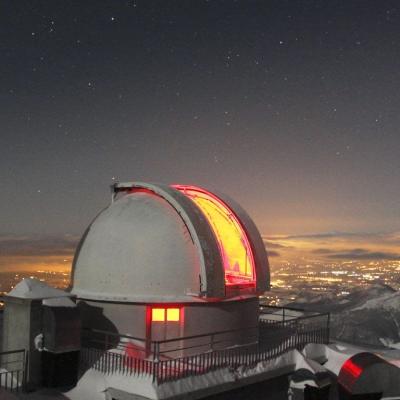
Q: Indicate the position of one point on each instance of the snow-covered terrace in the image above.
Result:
(174, 359)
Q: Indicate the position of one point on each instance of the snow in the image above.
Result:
(93, 384)
(303, 363)
(387, 342)
(315, 351)
(336, 358)
(336, 355)
(365, 315)
(30, 288)
(59, 302)
(8, 380)
(38, 342)
(385, 301)
(308, 364)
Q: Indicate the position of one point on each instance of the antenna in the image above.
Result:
(120, 187)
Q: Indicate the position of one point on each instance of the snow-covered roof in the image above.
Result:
(59, 302)
(154, 243)
(31, 288)
(366, 372)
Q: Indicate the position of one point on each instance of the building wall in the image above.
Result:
(240, 317)
(125, 319)
(22, 323)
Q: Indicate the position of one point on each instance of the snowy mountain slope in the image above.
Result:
(368, 315)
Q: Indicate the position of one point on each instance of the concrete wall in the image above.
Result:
(22, 323)
(125, 319)
(196, 319)
(220, 316)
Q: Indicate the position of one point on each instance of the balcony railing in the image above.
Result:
(168, 360)
(13, 370)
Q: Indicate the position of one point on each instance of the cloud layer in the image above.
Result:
(338, 246)
(26, 252)
(37, 245)
(30, 252)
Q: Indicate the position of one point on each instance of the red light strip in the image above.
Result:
(349, 373)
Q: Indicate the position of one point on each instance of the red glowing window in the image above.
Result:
(232, 240)
(158, 314)
(173, 314)
(165, 314)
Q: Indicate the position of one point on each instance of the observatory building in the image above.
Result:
(164, 302)
(162, 262)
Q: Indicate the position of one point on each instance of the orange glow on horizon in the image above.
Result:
(59, 263)
(232, 240)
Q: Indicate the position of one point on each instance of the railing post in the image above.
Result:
(328, 328)
(155, 370)
(156, 351)
(25, 370)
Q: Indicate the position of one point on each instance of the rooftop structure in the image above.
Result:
(158, 242)
(164, 301)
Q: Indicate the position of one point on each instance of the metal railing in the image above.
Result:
(285, 313)
(112, 353)
(169, 348)
(13, 370)
(298, 319)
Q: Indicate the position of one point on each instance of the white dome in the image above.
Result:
(151, 244)
(139, 240)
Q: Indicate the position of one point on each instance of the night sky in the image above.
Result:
(290, 107)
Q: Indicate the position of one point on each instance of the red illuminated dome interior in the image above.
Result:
(232, 240)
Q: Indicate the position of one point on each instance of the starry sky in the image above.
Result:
(290, 107)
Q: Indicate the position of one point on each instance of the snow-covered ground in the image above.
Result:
(94, 384)
(368, 315)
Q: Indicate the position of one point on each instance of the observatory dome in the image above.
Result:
(169, 243)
